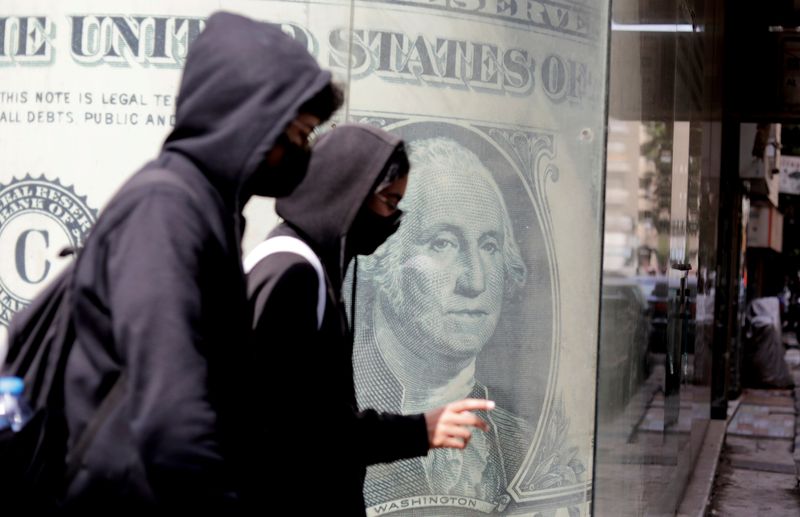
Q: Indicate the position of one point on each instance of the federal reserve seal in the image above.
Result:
(38, 219)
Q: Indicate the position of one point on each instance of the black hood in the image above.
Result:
(346, 165)
(242, 84)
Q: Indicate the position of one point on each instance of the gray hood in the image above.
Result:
(346, 165)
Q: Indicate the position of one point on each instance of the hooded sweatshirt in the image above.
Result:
(328, 440)
(160, 293)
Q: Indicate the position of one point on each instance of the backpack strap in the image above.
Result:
(288, 244)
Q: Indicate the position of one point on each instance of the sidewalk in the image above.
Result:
(759, 466)
(745, 466)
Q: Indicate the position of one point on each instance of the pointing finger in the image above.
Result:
(472, 405)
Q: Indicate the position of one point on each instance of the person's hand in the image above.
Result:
(448, 426)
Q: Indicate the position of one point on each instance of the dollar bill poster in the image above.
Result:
(491, 286)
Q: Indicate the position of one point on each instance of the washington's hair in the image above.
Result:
(442, 156)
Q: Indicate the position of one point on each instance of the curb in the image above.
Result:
(697, 496)
(796, 450)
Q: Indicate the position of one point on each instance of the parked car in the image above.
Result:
(623, 344)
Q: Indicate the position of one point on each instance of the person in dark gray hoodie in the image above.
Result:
(346, 206)
(161, 312)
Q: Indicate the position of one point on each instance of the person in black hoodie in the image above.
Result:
(160, 296)
(346, 206)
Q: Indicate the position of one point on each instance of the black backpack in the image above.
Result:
(33, 462)
(40, 339)
(35, 465)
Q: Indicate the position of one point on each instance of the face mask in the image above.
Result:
(282, 179)
(370, 230)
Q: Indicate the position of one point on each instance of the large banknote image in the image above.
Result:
(491, 286)
(459, 304)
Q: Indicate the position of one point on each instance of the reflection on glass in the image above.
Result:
(657, 300)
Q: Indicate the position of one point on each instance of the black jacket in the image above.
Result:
(160, 292)
(325, 442)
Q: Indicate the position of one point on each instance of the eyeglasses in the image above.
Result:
(301, 135)
(391, 204)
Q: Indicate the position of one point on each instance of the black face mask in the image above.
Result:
(370, 230)
(282, 179)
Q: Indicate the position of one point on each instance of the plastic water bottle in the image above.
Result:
(14, 411)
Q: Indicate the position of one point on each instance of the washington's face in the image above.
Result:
(452, 273)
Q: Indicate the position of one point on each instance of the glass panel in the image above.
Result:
(653, 398)
(489, 288)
